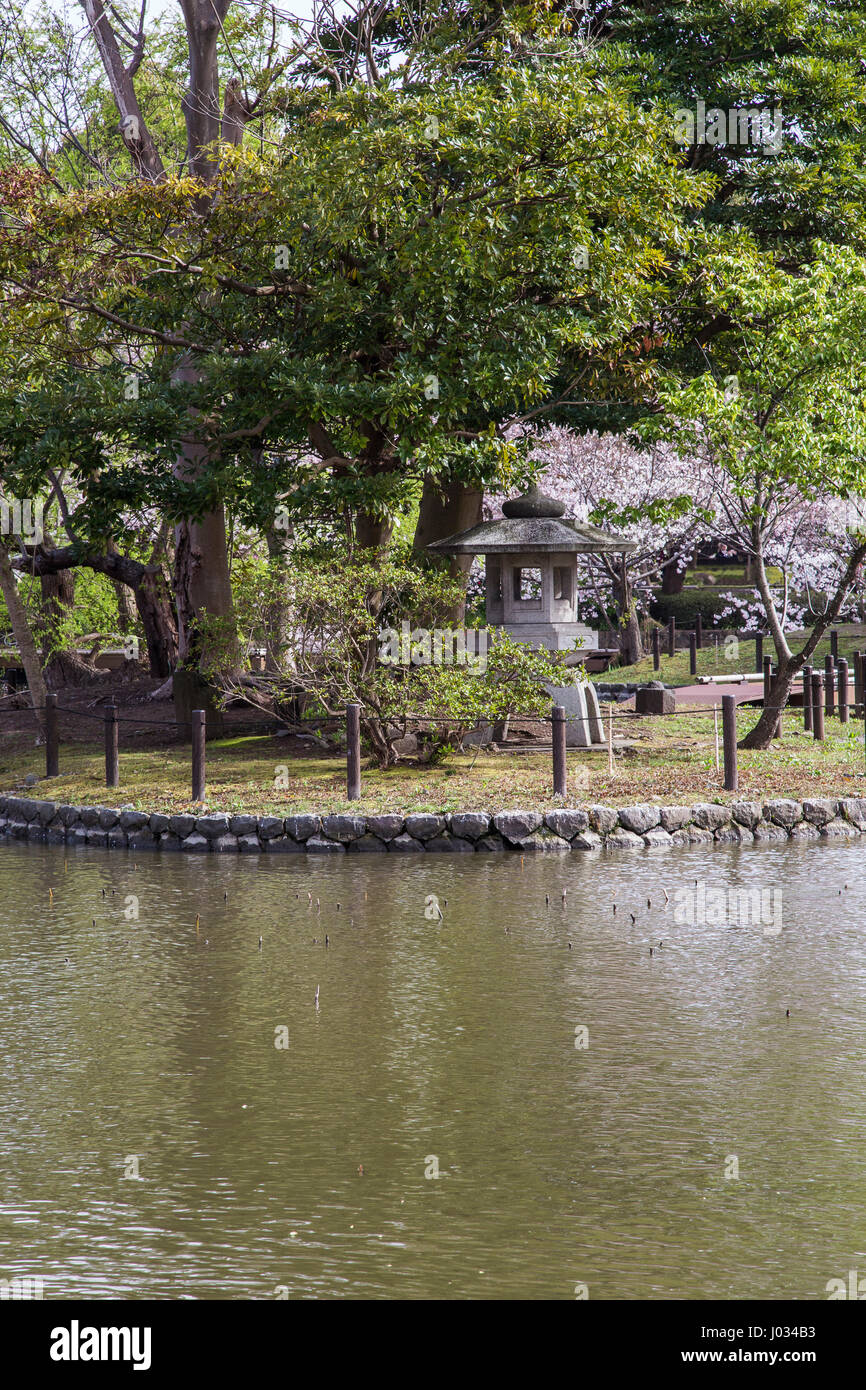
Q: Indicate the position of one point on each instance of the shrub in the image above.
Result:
(710, 603)
(346, 616)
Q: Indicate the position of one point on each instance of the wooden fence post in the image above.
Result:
(842, 669)
(353, 752)
(52, 738)
(672, 636)
(834, 644)
(807, 699)
(729, 740)
(657, 660)
(858, 685)
(759, 652)
(829, 686)
(559, 772)
(699, 631)
(817, 706)
(112, 763)
(199, 731)
(693, 653)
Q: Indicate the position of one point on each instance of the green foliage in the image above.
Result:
(94, 611)
(338, 630)
(781, 409)
(685, 607)
(365, 304)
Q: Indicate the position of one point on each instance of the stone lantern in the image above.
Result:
(530, 560)
(531, 570)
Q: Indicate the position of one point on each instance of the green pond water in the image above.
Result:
(156, 1141)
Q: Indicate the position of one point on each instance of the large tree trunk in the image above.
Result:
(630, 642)
(790, 663)
(24, 639)
(783, 679)
(207, 638)
(202, 581)
(371, 532)
(277, 617)
(202, 589)
(125, 602)
(673, 578)
(125, 608)
(153, 602)
(445, 510)
(207, 635)
(58, 601)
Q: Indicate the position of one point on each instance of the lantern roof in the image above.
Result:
(532, 525)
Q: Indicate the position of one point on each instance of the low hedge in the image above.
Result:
(685, 607)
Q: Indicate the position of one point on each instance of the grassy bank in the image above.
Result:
(719, 660)
(669, 760)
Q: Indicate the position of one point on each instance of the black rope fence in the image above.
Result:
(819, 693)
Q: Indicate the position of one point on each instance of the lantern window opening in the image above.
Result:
(527, 586)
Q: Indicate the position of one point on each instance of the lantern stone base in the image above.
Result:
(584, 725)
(557, 637)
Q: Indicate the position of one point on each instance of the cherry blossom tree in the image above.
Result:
(778, 421)
(653, 497)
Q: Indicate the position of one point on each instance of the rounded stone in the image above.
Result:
(142, 839)
(344, 828)
(212, 827)
(517, 825)
(566, 823)
(657, 838)
(783, 812)
(623, 839)
(820, 810)
(532, 503)
(469, 825)
(603, 819)
(424, 827)
(225, 844)
(302, 827)
(746, 813)
(639, 819)
(282, 844)
(707, 815)
(587, 839)
(270, 827)
(195, 844)
(404, 844)
(319, 844)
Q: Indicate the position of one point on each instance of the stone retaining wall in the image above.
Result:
(596, 827)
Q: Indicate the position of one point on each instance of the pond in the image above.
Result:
(187, 1113)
